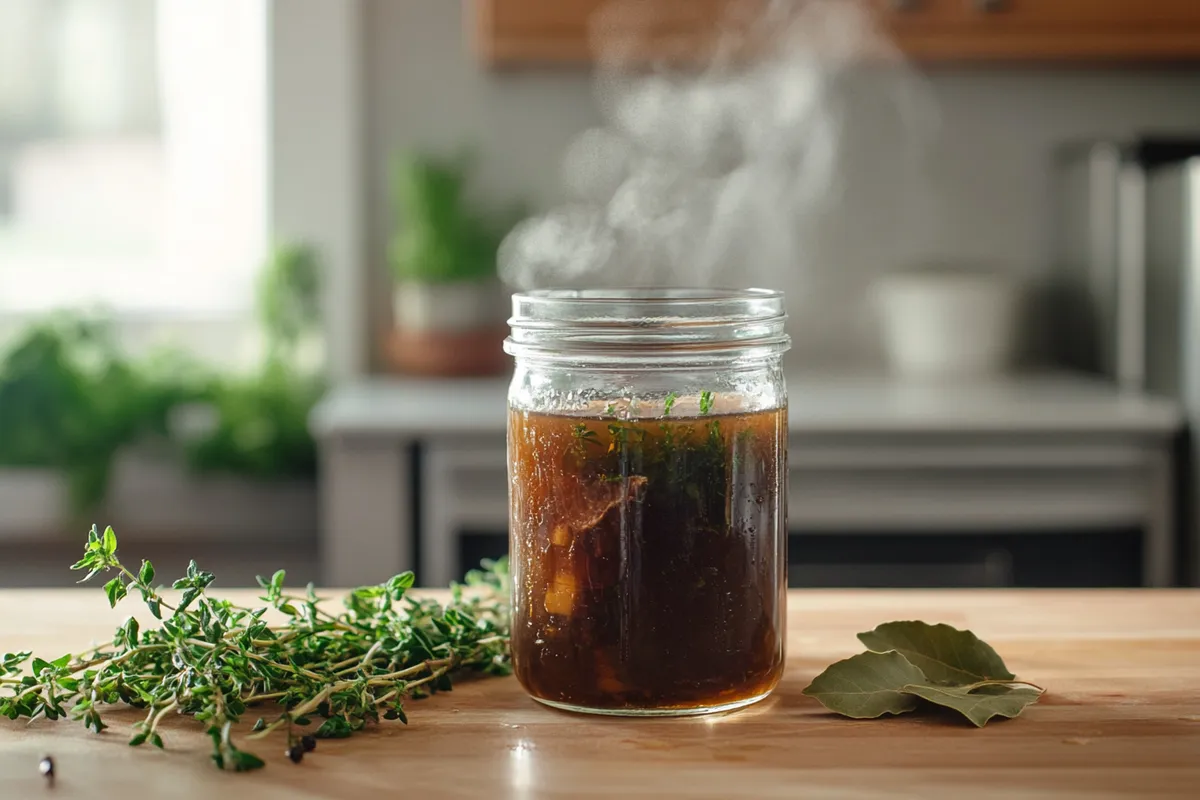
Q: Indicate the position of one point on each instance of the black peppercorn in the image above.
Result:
(296, 753)
(309, 743)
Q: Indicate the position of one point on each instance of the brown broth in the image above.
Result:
(648, 558)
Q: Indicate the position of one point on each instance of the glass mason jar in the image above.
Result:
(647, 447)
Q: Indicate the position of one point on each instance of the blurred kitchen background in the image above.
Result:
(250, 311)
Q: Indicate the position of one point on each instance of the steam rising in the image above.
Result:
(695, 176)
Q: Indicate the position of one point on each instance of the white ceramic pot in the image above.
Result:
(449, 307)
(33, 502)
(155, 498)
(947, 323)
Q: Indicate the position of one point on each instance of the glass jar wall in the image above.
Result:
(647, 444)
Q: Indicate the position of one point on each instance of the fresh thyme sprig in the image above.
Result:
(214, 660)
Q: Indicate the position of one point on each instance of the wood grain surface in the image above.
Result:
(1121, 719)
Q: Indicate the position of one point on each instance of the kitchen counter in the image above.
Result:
(1121, 717)
(409, 465)
(818, 403)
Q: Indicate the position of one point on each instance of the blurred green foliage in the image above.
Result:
(289, 298)
(70, 399)
(439, 236)
(262, 425)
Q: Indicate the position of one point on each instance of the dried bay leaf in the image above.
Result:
(946, 655)
(867, 685)
(911, 664)
(979, 704)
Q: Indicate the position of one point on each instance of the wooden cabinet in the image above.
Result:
(515, 32)
(1094, 31)
(527, 32)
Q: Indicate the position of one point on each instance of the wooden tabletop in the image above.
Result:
(1121, 718)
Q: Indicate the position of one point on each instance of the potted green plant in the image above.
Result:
(68, 403)
(239, 462)
(165, 445)
(448, 305)
(239, 459)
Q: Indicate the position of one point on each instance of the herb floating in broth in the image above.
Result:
(213, 660)
(669, 404)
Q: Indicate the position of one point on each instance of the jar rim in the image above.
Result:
(721, 301)
(675, 293)
(648, 322)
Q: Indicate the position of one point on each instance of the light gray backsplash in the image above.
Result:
(982, 194)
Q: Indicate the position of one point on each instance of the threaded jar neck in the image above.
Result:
(664, 325)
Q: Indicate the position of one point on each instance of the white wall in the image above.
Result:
(316, 150)
(984, 195)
